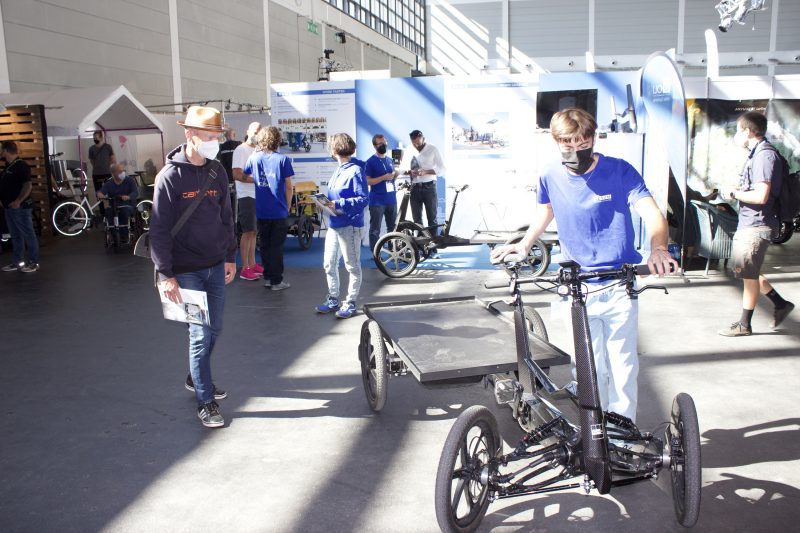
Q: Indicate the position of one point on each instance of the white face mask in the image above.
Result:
(122, 176)
(208, 149)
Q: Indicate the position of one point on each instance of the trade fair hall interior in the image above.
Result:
(399, 265)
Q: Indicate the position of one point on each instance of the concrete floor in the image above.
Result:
(98, 433)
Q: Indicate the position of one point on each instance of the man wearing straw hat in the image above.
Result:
(200, 255)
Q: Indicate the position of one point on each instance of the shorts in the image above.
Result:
(247, 214)
(749, 248)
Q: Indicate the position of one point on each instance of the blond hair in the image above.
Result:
(342, 145)
(572, 125)
(268, 139)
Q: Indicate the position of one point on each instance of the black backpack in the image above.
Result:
(787, 201)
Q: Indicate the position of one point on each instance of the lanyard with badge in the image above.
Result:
(389, 170)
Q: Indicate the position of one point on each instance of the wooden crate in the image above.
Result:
(26, 126)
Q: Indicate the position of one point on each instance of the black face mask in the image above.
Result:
(578, 161)
(97, 141)
(381, 148)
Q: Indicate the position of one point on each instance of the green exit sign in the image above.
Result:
(312, 28)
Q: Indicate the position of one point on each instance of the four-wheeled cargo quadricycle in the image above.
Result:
(569, 441)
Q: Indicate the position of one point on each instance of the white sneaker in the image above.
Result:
(279, 286)
(29, 267)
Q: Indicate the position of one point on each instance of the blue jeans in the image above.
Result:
(20, 226)
(343, 242)
(202, 338)
(377, 214)
(424, 194)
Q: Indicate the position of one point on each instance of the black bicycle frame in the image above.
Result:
(594, 440)
(403, 209)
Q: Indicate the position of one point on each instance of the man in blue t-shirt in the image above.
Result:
(590, 196)
(380, 174)
(271, 173)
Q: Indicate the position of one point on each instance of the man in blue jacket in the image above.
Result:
(123, 188)
(201, 255)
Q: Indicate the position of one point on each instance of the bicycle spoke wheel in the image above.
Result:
(374, 372)
(145, 209)
(462, 491)
(70, 218)
(396, 255)
(683, 436)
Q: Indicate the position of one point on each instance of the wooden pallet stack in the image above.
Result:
(26, 126)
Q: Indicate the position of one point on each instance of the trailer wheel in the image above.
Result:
(374, 371)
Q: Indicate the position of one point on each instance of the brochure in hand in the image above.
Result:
(193, 310)
(322, 202)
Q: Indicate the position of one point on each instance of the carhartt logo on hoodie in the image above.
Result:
(193, 194)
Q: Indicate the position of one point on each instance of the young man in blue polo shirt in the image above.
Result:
(380, 174)
(590, 196)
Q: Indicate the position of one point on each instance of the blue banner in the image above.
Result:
(665, 103)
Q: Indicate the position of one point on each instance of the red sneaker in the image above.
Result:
(249, 274)
(258, 269)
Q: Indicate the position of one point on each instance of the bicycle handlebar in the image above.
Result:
(570, 274)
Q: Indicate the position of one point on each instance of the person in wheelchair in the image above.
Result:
(123, 188)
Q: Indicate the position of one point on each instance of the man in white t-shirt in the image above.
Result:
(423, 163)
(246, 203)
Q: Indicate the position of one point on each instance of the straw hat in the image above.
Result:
(202, 118)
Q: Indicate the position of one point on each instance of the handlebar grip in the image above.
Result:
(509, 259)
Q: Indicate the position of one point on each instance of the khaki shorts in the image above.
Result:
(247, 214)
(749, 248)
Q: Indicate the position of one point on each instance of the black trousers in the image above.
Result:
(271, 236)
(424, 194)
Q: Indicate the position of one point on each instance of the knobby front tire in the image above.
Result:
(685, 465)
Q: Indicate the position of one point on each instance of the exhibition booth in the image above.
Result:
(51, 129)
(492, 130)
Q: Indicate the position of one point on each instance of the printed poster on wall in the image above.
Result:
(714, 160)
(490, 122)
(306, 114)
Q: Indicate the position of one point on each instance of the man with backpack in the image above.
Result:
(757, 194)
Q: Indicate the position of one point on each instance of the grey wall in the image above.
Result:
(222, 50)
(83, 43)
(641, 27)
(554, 36)
(53, 44)
(294, 50)
(542, 29)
